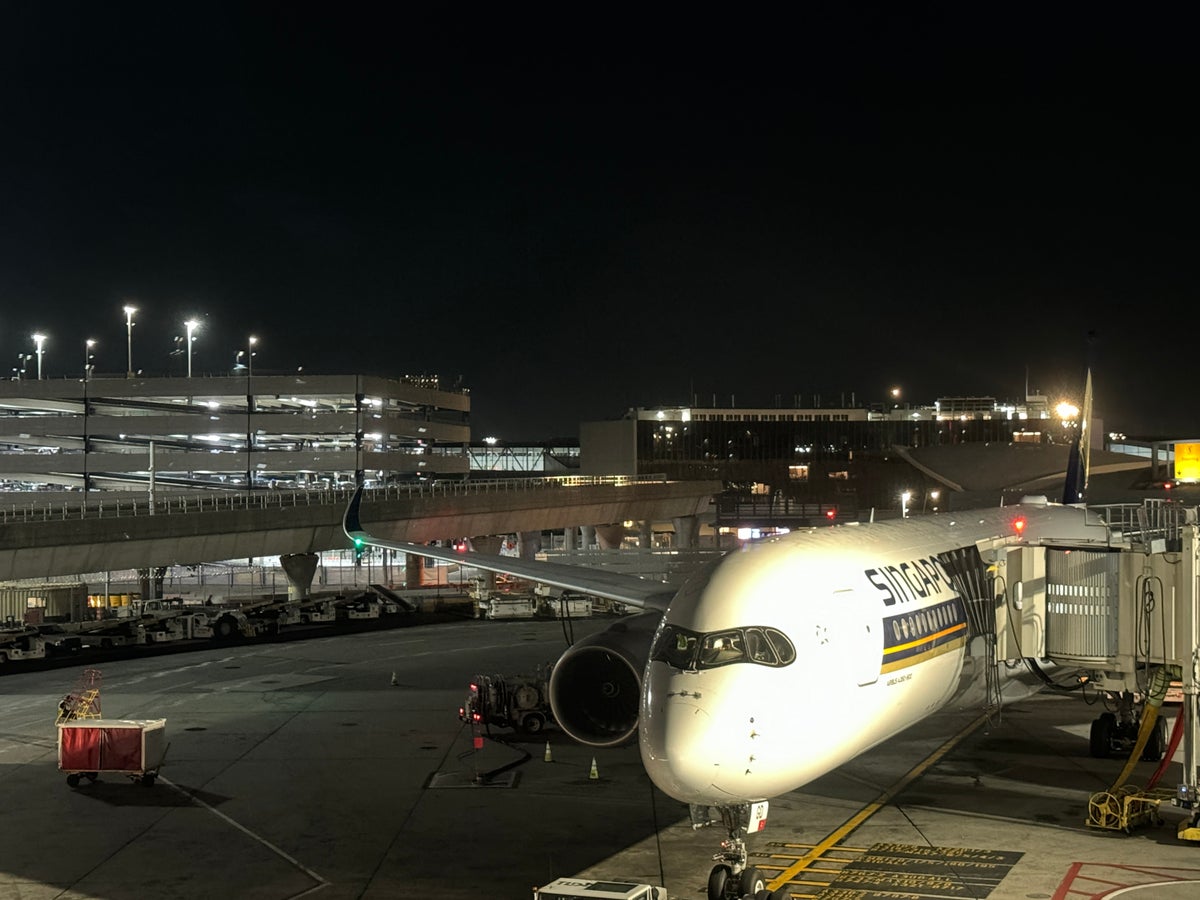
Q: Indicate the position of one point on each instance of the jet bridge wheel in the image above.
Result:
(718, 881)
(1156, 743)
(1101, 735)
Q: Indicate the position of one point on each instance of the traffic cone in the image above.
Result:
(395, 680)
(548, 757)
(594, 774)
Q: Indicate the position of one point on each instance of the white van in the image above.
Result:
(573, 888)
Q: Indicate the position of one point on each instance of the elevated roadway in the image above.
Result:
(120, 532)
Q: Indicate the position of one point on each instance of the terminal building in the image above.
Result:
(843, 458)
(118, 433)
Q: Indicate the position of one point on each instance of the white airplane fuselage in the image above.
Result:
(879, 631)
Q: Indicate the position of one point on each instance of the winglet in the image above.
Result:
(351, 524)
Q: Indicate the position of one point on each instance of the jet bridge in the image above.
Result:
(1119, 601)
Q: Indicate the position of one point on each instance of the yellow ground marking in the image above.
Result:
(849, 826)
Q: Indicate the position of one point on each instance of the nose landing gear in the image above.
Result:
(731, 878)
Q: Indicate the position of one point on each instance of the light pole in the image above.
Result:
(931, 495)
(129, 311)
(87, 358)
(904, 498)
(249, 409)
(190, 325)
(87, 366)
(38, 341)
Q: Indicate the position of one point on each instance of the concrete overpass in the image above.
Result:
(121, 532)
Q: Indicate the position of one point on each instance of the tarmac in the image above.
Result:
(337, 767)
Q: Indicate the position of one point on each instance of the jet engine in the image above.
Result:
(596, 686)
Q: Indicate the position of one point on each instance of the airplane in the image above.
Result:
(872, 627)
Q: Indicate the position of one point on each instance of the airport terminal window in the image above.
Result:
(684, 649)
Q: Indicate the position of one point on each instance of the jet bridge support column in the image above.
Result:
(299, 569)
(1187, 650)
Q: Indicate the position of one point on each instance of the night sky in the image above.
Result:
(592, 209)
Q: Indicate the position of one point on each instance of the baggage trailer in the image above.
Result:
(135, 748)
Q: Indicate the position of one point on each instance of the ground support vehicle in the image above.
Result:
(135, 748)
(571, 888)
(510, 701)
(27, 646)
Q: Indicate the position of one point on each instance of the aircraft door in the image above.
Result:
(863, 627)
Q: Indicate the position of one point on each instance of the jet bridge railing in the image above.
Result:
(115, 506)
(1141, 524)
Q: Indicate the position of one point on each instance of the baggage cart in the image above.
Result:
(135, 748)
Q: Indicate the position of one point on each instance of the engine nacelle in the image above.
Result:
(596, 686)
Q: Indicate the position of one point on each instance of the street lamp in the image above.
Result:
(190, 325)
(129, 311)
(87, 366)
(87, 357)
(38, 341)
(249, 409)
(904, 498)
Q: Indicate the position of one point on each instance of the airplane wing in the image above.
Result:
(619, 586)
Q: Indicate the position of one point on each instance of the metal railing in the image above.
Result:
(116, 506)
(1152, 519)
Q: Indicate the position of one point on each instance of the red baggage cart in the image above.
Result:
(133, 747)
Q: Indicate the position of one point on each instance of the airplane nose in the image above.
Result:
(675, 732)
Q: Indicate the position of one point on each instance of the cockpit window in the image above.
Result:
(784, 647)
(760, 648)
(676, 647)
(684, 649)
(722, 648)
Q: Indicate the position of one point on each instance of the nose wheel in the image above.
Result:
(731, 878)
(723, 884)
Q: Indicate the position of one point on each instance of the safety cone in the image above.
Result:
(548, 757)
(594, 774)
(395, 680)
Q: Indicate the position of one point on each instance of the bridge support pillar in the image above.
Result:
(414, 570)
(587, 536)
(569, 538)
(609, 537)
(645, 534)
(529, 544)
(489, 544)
(299, 569)
(685, 532)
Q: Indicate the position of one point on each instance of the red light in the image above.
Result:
(477, 717)
(1019, 525)
(1167, 485)
(475, 688)
(831, 514)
